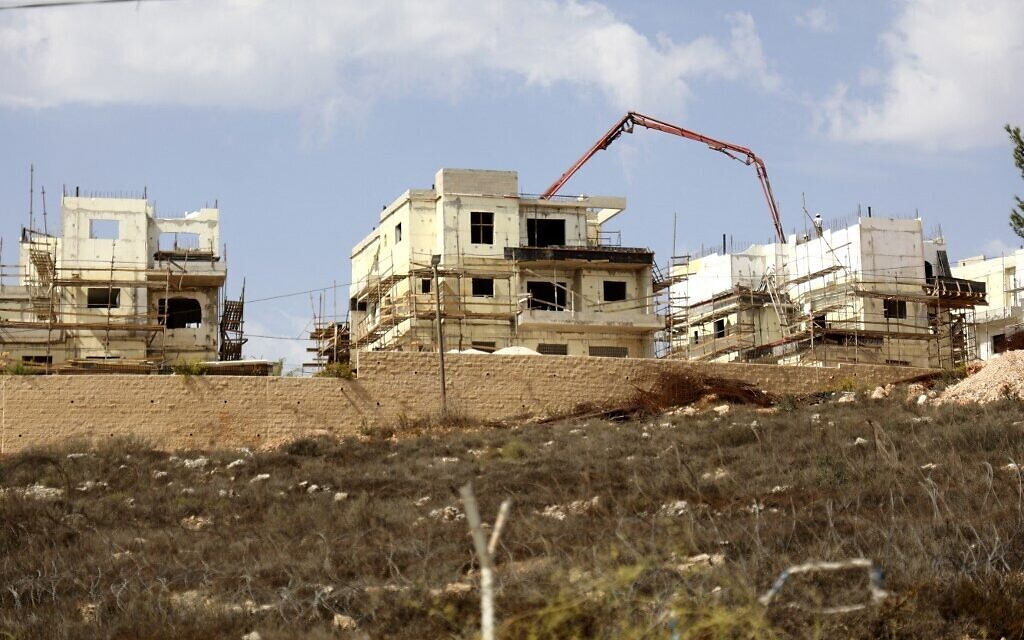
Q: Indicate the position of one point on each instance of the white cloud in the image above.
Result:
(997, 247)
(815, 19)
(329, 58)
(953, 79)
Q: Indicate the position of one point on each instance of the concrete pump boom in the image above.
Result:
(736, 152)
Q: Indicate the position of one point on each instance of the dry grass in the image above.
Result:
(213, 551)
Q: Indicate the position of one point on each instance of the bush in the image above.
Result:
(189, 368)
(341, 370)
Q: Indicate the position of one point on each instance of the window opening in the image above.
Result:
(398, 233)
(425, 285)
(171, 240)
(553, 349)
(103, 298)
(545, 232)
(481, 227)
(102, 229)
(609, 352)
(720, 328)
(483, 287)
(894, 308)
(614, 290)
(180, 313)
(546, 296)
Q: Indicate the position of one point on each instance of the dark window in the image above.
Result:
(103, 298)
(483, 287)
(610, 352)
(544, 232)
(481, 227)
(894, 308)
(614, 290)
(398, 233)
(553, 349)
(546, 296)
(180, 313)
(999, 343)
(720, 328)
(356, 305)
(425, 285)
(820, 322)
(929, 271)
(484, 346)
(103, 229)
(37, 359)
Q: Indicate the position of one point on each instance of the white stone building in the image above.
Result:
(514, 271)
(872, 291)
(999, 323)
(117, 285)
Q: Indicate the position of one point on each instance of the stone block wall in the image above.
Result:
(176, 412)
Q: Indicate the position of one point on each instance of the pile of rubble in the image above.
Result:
(1001, 377)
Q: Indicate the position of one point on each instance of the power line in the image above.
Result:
(67, 3)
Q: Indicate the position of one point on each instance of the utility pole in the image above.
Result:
(435, 260)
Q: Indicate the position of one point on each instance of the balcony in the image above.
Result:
(638, 256)
(620, 321)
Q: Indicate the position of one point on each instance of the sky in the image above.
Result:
(301, 118)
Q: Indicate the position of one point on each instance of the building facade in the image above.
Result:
(874, 291)
(117, 285)
(512, 270)
(999, 323)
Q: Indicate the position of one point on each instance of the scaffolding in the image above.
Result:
(50, 309)
(831, 322)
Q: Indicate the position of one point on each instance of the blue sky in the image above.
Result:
(303, 117)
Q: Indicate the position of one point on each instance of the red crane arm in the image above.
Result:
(736, 152)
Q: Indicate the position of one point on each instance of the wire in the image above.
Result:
(298, 293)
(66, 3)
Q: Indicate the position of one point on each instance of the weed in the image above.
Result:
(189, 368)
(341, 370)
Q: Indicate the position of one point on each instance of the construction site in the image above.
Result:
(115, 289)
(474, 265)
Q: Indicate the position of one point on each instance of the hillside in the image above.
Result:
(644, 527)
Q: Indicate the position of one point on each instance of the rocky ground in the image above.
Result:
(659, 522)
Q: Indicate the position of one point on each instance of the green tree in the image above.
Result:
(1017, 213)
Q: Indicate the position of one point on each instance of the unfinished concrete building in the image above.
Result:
(513, 270)
(119, 289)
(999, 322)
(869, 291)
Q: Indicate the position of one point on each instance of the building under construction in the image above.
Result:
(509, 270)
(119, 289)
(869, 291)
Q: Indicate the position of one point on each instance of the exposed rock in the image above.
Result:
(673, 509)
(574, 508)
(451, 513)
(196, 463)
(263, 477)
(722, 409)
(33, 492)
(700, 561)
(344, 623)
(196, 523)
